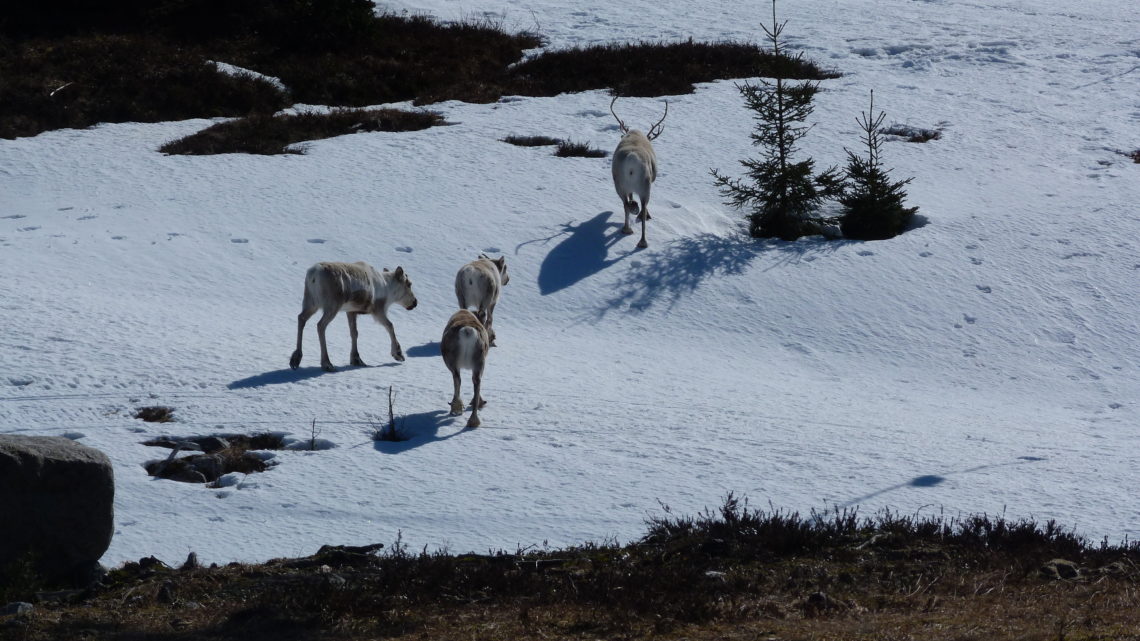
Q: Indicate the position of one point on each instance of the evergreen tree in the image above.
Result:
(779, 194)
(872, 205)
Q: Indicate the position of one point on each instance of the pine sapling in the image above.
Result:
(873, 207)
(779, 194)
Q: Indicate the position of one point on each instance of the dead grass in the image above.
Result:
(727, 574)
(570, 149)
(274, 134)
(74, 63)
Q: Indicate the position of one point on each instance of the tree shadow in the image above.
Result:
(418, 430)
(425, 350)
(583, 253)
(933, 480)
(666, 276)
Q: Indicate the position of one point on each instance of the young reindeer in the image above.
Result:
(478, 284)
(635, 169)
(464, 346)
(357, 288)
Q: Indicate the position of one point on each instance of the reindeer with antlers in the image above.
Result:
(635, 169)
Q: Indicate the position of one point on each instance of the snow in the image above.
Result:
(985, 361)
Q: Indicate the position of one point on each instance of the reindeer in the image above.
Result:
(635, 169)
(465, 345)
(357, 288)
(478, 284)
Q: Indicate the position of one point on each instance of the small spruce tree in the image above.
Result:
(780, 195)
(873, 206)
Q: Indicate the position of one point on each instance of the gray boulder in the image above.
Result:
(57, 503)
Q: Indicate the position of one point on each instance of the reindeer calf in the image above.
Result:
(634, 170)
(479, 284)
(357, 288)
(465, 345)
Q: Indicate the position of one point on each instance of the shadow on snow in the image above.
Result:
(933, 480)
(281, 376)
(418, 430)
(583, 253)
(427, 349)
(666, 276)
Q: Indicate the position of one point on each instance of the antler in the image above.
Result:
(621, 124)
(656, 129)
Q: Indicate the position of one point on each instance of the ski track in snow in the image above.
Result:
(985, 361)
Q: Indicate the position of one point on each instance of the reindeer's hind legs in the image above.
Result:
(630, 207)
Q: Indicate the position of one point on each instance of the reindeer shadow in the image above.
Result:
(277, 377)
(282, 376)
(427, 349)
(583, 253)
(418, 430)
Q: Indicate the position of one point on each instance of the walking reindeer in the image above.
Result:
(635, 169)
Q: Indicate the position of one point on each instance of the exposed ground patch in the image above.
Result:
(730, 573)
(274, 134)
(216, 456)
(910, 133)
(563, 148)
(73, 64)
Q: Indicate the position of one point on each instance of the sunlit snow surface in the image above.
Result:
(986, 361)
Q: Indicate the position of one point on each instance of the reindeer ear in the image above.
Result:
(501, 261)
(385, 269)
(399, 273)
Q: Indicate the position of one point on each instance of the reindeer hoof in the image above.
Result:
(295, 360)
(482, 403)
(356, 361)
(398, 355)
(473, 421)
(627, 230)
(456, 408)
(642, 244)
(328, 367)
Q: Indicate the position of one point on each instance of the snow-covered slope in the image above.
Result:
(986, 361)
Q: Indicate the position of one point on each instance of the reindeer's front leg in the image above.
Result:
(354, 356)
(326, 318)
(397, 351)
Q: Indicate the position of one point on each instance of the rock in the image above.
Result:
(17, 608)
(191, 562)
(58, 500)
(1060, 569)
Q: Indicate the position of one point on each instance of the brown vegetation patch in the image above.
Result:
(220, 455)
(74, 63)
(731, 573)
(653, 69)
(155, 414)
(269, 134)
(569, 149)
(531, 141)
(79, 81)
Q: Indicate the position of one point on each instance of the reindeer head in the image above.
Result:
(654, 131)
(401, 289)
(501, 264)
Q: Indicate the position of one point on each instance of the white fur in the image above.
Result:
(357, 288)
(479, 284)
(634, 170)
